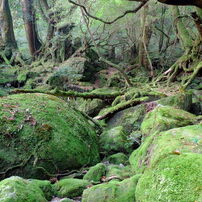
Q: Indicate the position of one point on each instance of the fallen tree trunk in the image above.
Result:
(86, 95)
(124, 105)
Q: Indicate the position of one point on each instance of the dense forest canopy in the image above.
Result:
(148, 36)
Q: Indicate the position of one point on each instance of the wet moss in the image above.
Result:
(16, 189)
(169, 143)
(40, 135)
(113, 191)
(70, 187)
(163, 118)
(175, 178)
(95, 173)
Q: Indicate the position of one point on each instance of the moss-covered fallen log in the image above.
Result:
(87, 95)
(124, 105)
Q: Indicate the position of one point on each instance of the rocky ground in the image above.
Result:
(141, 144)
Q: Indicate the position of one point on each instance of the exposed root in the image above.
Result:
(188, 63)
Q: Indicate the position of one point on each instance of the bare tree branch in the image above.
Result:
(116, 19)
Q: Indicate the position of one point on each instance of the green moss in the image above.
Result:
(89, 106)
(113, 191)
(45, 186)
(42, 135)
(169, 143)
(70, 187)
(95, 173)
(16, 189)
(119, 171)
(119, 158)
(22, 77)
(103, 91)
(130, 118)
(164, 118)
(175, 178)
(114, 140)
(181, 101)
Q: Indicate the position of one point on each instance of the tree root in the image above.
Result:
(194, 74)
(24, 163)
(189, 62)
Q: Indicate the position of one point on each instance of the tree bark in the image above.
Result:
(30, 26)
(197, 3)
(144, 40)
(7, 37)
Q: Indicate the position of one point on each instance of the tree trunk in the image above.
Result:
(144, 40)
(30, 26)
(7, 37)
(190, 62)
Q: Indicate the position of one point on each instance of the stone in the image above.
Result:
(173, 142)
(113, 191)
(95, 173)
(114, 140)
(42, 134)
(173, 178)
(17, 189)
(70, 187)
(163, 118)
(118, 158)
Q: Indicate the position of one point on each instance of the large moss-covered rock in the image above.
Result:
(164, 118)
(118, 158)
(45, 186)
(120, 172)
(89, 106)
(41, 134)
(73, 70)
(95, 173)
(169, 143)
(174, 178)
(130, 118)
(70, 187)
(16, 189)
(180, 101)
(113, 191)
(114, 140)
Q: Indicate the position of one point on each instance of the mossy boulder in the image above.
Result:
(70, 187)
(130, 118)
(95, 173)
(16, 189)
(71, 71)
(41, 135)
(163, 118)
(118, 158)
(174, 178)
(114, 140)
(120, 172)
(180, 101)
(173, 142)
(89, 106)
(45, 186)
(113, 191)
